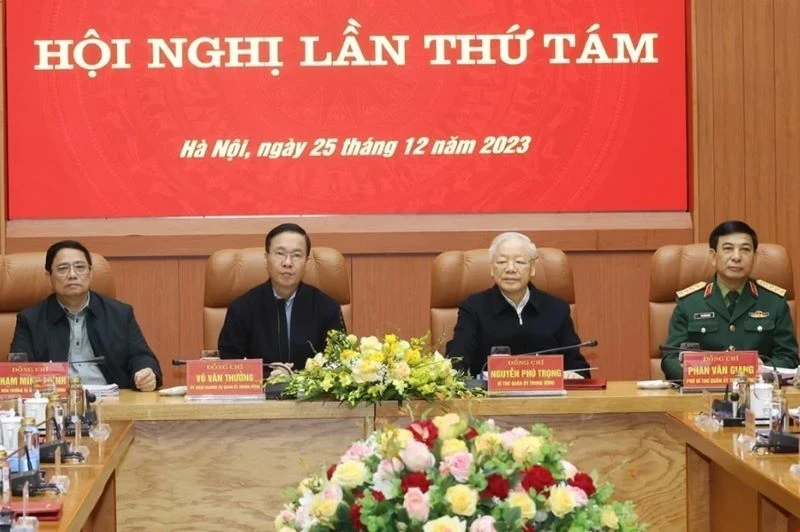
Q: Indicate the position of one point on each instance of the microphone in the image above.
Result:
(471, 383)
(582, 369)
(684, 346)
(587, 343)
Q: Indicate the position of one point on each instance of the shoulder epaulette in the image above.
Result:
(771, 287)
(691, 289)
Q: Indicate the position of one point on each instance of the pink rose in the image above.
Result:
(458, 465)
(510, 436)
(416, 456)
(416, 504)
(484, 524)
(357, 452)
(581, 499)
(332, 492)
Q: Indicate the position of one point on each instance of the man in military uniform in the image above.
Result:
(731, 311)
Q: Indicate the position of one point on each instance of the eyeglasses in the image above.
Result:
(281, 256)
(519, 264)
(80, 268)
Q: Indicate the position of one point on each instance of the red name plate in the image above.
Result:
(224, 377)
(526, 374)
(19, 378)
(715, 370)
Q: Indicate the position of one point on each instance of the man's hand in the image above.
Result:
(145, 380)
(571, 375)
(279, 368)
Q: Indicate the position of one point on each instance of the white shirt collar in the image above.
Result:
(521, 305)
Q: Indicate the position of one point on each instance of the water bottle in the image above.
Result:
(5, 478)
(28, 437)
(76, 406)
(778, 420)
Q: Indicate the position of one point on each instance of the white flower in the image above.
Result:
(385, 478)
(370, 344)
(569, 469)
(400, 371)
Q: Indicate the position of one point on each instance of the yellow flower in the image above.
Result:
(445, 524)
(488, 443)
(413, 357)
(366, 371)
(391, 442)
(609, 518)
(453, 446)
(390, 338)
(305, 485)
(322, 508)
(348, 354)
(449, 426)
(561, 500)
(521, 500)
(376, 356)
(526, 447)
(350, 474)
(316, 362)
(462, 499)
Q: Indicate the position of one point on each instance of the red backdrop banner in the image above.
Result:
(247, 107)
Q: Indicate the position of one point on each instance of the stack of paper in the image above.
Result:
(103, 390)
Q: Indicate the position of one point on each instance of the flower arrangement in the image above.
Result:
(452, 475)
(370, 370)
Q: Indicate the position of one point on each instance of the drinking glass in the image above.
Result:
(18, 357)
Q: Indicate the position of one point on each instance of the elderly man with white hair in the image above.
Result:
(514, 313)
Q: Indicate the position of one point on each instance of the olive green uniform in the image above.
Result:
(758, 321)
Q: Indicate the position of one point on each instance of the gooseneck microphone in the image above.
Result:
(587, 343)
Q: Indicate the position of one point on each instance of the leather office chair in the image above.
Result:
(232, 272)
(23, 283)
(676, 267)
(457, 274)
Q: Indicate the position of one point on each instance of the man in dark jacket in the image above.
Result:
(283, 319)
(74, 324)
(514, 313)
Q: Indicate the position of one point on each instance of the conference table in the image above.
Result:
(91, 502)
(206, 466)
(730, 488)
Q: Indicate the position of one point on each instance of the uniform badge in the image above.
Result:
(758, 314)
(703, 315)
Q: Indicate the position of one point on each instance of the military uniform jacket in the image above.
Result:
(760, 321)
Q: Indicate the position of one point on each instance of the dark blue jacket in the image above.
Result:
(42, 332)
(486, 319)
(251, 327)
